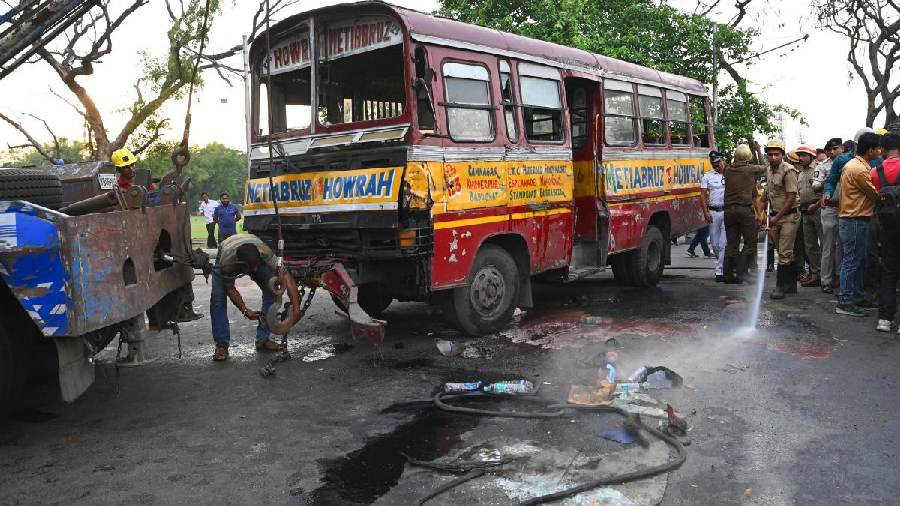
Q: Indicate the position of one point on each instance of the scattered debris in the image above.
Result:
(632, 425)
(591, 395)
(734, 369)
(267, 370)
(617, 435)
(448, 348)
(475, 351)
(656, 377)
(510, 387)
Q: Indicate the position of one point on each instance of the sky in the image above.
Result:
(812, 78)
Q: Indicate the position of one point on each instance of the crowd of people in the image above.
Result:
(832, 216)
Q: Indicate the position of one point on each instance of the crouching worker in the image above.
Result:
(239, 255)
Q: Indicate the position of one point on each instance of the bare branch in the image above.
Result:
(155, 136)
(50, 131)
(34, 143)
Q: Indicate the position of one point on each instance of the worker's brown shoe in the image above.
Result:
(221, 354)
(268, 345)
(812, 281)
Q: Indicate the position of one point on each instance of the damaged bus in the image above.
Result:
(445, 162)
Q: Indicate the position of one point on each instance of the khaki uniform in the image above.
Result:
(811, 224)
(780, 183)
(740, 219)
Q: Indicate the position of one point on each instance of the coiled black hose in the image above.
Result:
(558, 410)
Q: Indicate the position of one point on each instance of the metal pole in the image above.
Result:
(715, 71)
(272, 194)
(313, 75)
(247, 105)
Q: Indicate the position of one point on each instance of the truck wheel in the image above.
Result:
(621, 273)
(31, 185)
(646, 263)
(374, 298)
(12, 374)
(487, 302)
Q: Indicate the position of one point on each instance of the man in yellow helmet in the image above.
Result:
(124, 161)
(782, 185)
(740, 222)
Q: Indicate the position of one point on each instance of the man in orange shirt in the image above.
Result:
(856, 206)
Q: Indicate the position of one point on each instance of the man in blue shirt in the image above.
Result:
(226, 217)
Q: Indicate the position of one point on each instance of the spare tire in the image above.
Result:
(31, 185)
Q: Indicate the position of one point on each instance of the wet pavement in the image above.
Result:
(802, 410)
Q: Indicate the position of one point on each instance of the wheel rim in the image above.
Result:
(654, 256)
(488, 290)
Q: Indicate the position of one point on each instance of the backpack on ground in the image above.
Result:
(887, 201)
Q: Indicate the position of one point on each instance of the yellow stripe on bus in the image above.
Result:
(640, 200)
(496, 219)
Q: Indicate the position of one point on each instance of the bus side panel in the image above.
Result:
(687, 215)
(456, 242)
(626, 225)
(628, 220)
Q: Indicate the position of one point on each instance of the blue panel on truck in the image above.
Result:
(31, 265)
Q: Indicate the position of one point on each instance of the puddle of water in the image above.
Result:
(364, 475)
(575, 329)
(327, 351)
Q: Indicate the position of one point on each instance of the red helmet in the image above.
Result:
(806, 148)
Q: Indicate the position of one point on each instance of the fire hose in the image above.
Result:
(554, 410)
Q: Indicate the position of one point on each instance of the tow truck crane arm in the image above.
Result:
(32, 24)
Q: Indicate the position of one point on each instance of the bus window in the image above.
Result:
(290, 87)
(468, 102)
(542, 107)
(699, 127)
(653, 129)
(509, 102)
(578, 117)
(361, 76)
(424, 97)
(678, 118)
(620, 125)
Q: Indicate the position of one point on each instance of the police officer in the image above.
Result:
(740, 219)
(809, 194)
(712, 192)
(782, 184)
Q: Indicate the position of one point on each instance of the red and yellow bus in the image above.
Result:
(447, 162)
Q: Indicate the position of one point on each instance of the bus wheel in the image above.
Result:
(12, 374)
(374, 298)
(487, 302)
(620, 269)
(646, 263)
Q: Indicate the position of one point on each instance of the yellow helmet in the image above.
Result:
(881, 131)
(122, 158)
(775, 144)
(742, 153)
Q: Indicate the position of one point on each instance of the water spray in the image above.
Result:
(760, 275)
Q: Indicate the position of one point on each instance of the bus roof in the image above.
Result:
(432, 29)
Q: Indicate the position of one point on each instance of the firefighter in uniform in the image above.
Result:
(782, 185)
(740, 219)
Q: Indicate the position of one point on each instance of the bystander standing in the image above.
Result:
(226, 217)
(206, 209)
(886, 180)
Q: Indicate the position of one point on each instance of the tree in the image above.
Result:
(648, 33)
(214, 169)
(872, 28)
(166, 77)
(70, 151)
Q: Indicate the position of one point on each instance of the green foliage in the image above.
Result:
(213, 168)
(637, 31)
(71, 151)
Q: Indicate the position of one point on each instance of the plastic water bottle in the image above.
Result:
(638, 374)
(463, 387)
(510, 387)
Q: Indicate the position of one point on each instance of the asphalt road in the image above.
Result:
(803, 410)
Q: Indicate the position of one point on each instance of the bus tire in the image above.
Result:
(621, 273)
(12, 374)
(646, 263)
(487, 302)
(374, 298)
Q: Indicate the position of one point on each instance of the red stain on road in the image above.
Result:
(803, 349)
(565, 329)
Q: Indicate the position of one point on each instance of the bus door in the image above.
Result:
(591, 219)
